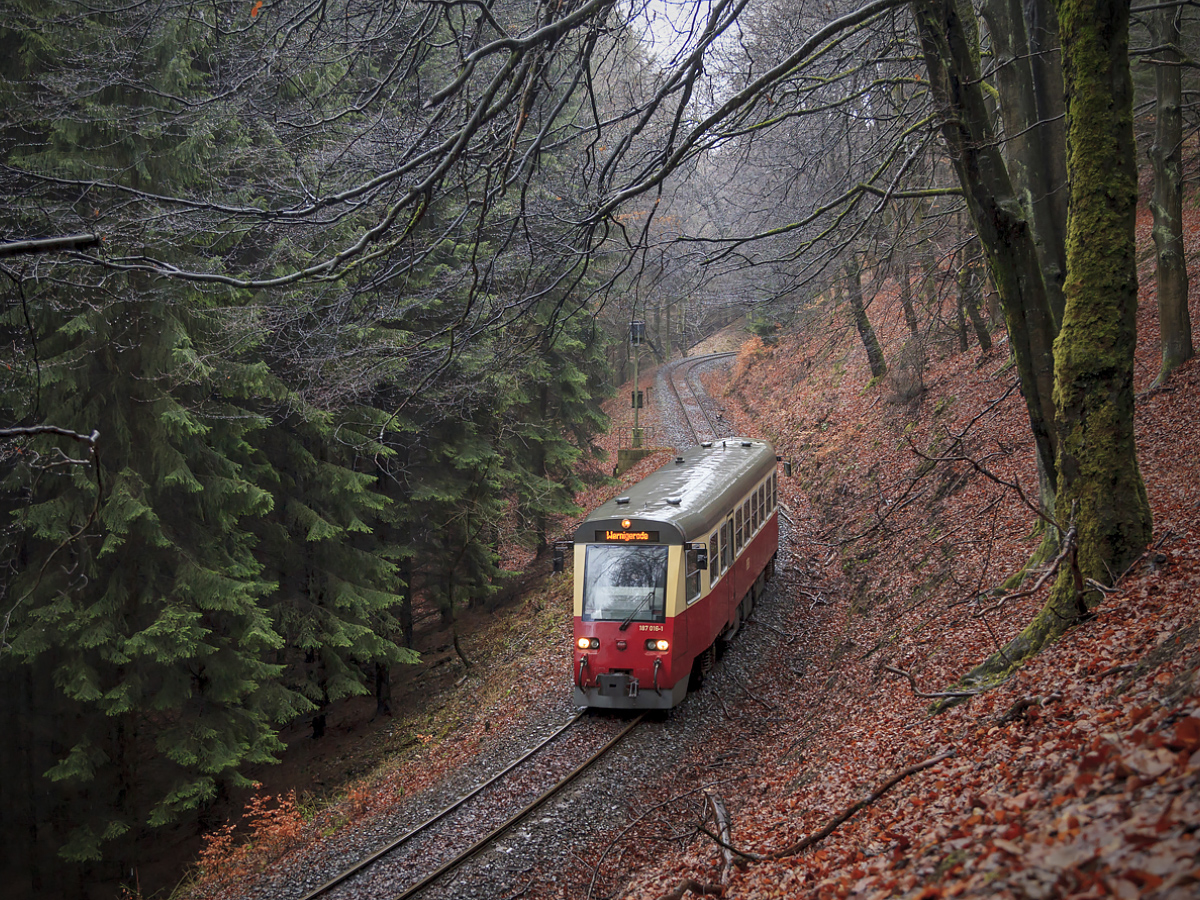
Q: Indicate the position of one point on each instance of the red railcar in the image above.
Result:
(666, 570)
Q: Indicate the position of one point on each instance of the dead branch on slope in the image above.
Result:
(837, 821)
(721, 816)
(938, 695)
(849, 813)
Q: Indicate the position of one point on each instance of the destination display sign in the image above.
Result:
(627, 537)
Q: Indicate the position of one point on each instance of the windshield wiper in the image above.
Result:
(637, 609)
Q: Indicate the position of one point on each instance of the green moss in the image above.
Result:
(1043, 554)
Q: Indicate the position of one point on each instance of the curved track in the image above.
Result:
(464, 833)
(691, 398)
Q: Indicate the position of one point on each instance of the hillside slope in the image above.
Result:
(1079, 776)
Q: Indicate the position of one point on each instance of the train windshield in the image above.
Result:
(625, 583)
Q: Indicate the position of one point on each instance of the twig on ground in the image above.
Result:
(938, 695)
(763, 703)
(724, 708)
(779, 631)
(696, 887)
(721, 817)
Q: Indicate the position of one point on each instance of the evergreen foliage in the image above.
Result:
(278, 473)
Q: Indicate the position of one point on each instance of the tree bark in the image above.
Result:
(1098, 475)
(1029, 77)
(971, 296)
(1166, 155)
(960, 308)
(862, 323)
(383, 689)
(996, 211)
(906, 296)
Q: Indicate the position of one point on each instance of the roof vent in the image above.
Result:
(674, 501)
(707, 445)
(678, 460)
(747, 443)
(622, 501)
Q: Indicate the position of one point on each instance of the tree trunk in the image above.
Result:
(971, 298)
(383, 689)
(1029, 78)
(1166, 155)
(906, 298)
(406, 609)
(995, 208)
(960, 308)
(862, 323)
(1098, 477)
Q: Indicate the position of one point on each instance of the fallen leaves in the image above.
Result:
(1080, 775)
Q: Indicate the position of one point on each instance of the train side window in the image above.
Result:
(726, 539)
(753, 513)
(693, 575)
(737, 529)
(714, 558)
(762, 501)
(771, 491)
(746, 518)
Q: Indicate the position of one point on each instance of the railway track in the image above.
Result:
(467, 827)
(690, 396)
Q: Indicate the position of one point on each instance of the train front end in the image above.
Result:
(627, 650)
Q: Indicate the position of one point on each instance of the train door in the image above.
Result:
(722, 595)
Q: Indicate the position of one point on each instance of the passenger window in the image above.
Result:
(693, 574)
(726, 554)
(714, 558)
(737, 529)
(771, 493)
(774, 490)
(762, 502)
(746, 518)
(753, 513)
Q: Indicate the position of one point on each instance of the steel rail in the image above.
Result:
(699, 394)
(688, 366)
(346, 874)
(484, 841)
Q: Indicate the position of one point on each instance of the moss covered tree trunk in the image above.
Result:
(1166, 154)
(1098, 472)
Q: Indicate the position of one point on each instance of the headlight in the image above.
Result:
(659, 645)
(586, 643)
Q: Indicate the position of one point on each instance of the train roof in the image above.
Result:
(685, 499)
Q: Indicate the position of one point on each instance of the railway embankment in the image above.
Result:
(1079, 775)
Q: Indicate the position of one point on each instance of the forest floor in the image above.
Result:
(1079, 776)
